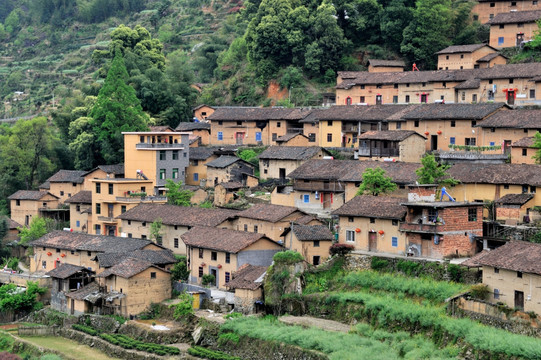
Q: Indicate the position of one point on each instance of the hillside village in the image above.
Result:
(403, 211)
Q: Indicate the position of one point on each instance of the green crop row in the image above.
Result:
(86, 329)
(374, 345)
(210, 354)
(425, 288)
(127, 342)
(411, 315)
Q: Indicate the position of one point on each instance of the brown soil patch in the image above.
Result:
(9, 326)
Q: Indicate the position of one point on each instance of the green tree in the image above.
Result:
(376, 182)
(4, 227)
(433, 173)
(176, 195)
(156, 231)
(12, 22)
(38, 227)
(180, 269)
(537, 145)
(117, 110)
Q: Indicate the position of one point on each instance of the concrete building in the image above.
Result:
(221, 252)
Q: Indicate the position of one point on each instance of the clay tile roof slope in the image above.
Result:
(474, 260)
(290, 152)
(224, 161)
(82, 197)
(528, 70)
(246, 277)
(312, 232)
(190, 126)
(390, 135)
(519, 119)
(364, 77)
(289, 136)
(469, 84)
(13, 224)
(304, 220)
(514, 199)
(155, 257)
(83, 292)
(231, 241)
(267, 212)
(453, 111)
(360, 112)
(177, 215)
(513, 174)
(461, 49)
(116, 169)
(516, 17)
(489, 57)
(201, 153)
(29, 195)
(87, 242)
(524, 142)
(72, 176)
(386, 63)
(127, 268)
(521, 256)
(257, 114)
(160, 128)
(385, 207)
(64, 271)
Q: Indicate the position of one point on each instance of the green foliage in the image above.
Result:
(184, 308)
(127, 342)
(378, 263)
(537, 145)
(376, 182)
(230, 338)
(180, 270)
(86, 329)
(12, 299)
(208, 279)
(433, 173)
(205, 353)
(153, 312)
(206, 205)
(12, 263)
(288, 257)
(38, 227)
(432, 290)
(536, 238)
(233, 315)
(4, 227)
(176, 195)
(156, 231)
(479, 291)
(475, 148)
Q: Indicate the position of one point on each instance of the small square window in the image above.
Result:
(246, 227)
(416, 123)
(452, 140)
(316, 243)
(519, 274)
(18, 202)
(213, 255)
(350, 236)
(329, 137)
(496, 271)
(61, 193)
(162, 155)
(44, 264)
(306, 199)
(372, 220)
(394, 222)
(407, 99)
(500, 40)
(496, 294)
(98, 188)
(153, 275)
(350, 218)
(524, 152)
(511, 81)
(220, 134)
(278, 124)
(524, 189)
(88, 253)
(453, 123)
(175, 154)
(227, 276)
(144, 237)
(256, 228)
(472, 214)
(394, 241)
(144, 224)
(492, 4)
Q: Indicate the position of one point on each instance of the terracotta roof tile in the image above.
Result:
(291, 152)
(385, 207)
(312, 232)
(29, 195)
(83, 292)
(306, 219)
(155, 257)
(248, 277)
(257, 114)
(453, 111)
(220, 239)
(127, 268)
(178, 215)
(390, 135)
(87, 242)
(191, 126)
(115, 169)
(489, 57)
(474, 260)
(521, 256)
(82, 197)
(64, 271)
(13, 224)
(225, 161)
(359, 112)
(268, 212)
(287, 137)
(512, 174)
(526, 142)
(516, 17)
(68, 176)
(469, 84)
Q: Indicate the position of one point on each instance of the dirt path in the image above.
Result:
(309, 321)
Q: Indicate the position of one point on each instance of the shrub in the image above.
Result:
(479, 291)
(228, 338)
(341, 249)
(288, 257)
(127, 342)
(378, 263)
(184, 308)
(233, 315)
(86, 329)
(208, 279)
(210, 354)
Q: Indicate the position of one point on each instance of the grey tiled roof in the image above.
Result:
(155, 257)
(220, 239)
(87, 242)
(521, 256)
(291, 152)
(287, 137)
(519, 119)
(29, 195)
(516, 17)
(246, 277)
(83, 292)
(385, 207)
(526, 142)
(64, 271)
(224, 161)
(82, 197)
(191, 126)
(201, 153)
(257, 114)
(116, 169)
(312, 232)
(512, 174)
(461, 49)
(386, 63)
(68, 176)
(489, 57)
(268, 212)
(390, 135)
(514, 199)
(453, 111)
(127, 268)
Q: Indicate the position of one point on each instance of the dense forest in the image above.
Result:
(56, 60)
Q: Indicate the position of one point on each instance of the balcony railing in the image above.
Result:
(424, 228)
(350, 128)
(318, 186)
(295, 130)
(108, 219)
(159, 146)
(379, 152)
(134, 199)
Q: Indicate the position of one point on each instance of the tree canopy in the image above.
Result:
(376, 182)
(433, 173)
(176, 195)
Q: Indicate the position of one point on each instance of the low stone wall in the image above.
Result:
(177, 335)
(102, 323)
(36, 330)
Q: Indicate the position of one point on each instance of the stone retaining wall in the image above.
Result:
(36, 330)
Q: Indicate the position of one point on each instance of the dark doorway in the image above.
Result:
(434, 142)
(424, 98)
(379, 100)
(510, 98)
(215, 273)
(282, 172)
(507, 147)
(72, 306)
(519, 300)
(315, 260)
(372, 241)
(520, 38)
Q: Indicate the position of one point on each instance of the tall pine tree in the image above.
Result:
(117, 110)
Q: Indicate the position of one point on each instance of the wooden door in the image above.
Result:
(519, 300)
(240, 137)
(372, 241)
(282, 172)
(425, 247)
(326, 200)
(510, 98)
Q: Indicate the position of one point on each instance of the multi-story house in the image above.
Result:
(513, 28)
(27, 204)
(278, 161)
(485, 10)
(472, 56)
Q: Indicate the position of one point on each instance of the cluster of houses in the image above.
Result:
(111, 260)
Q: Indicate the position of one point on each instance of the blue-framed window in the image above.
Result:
(492, 143)
(394, 241)
(452, 140)
(77, 223)
(306, 198)
(220, 135)
(196, 177)
(258, 136)
(500, 40)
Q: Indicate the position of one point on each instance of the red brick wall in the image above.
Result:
(507, 213)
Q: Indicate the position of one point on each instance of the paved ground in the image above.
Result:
(309, 321)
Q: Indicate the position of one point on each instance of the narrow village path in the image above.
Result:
(310, 321)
